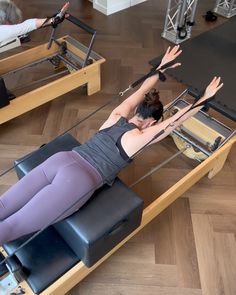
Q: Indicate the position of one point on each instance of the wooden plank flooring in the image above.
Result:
(190, 249)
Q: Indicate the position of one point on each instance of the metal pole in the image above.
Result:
(231, 6)
(183, 12)
(89, 50)
(192, 18)
(52, 38)
(160, 166)
(190, 142)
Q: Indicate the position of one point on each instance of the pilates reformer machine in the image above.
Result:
(57, 258)
(71, 64)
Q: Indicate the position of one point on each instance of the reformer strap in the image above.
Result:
(197, 95)
(196, 105)
(153, 72)
(54, 21)
(159, 166)
(56, 18)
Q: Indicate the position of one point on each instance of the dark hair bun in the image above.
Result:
(151, 106)
(152, 97)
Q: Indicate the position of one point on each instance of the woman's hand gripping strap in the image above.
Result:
(167, 62)
(153, 72)
(209, 93)
(57, 18)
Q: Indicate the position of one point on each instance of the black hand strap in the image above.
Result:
(162, 77)
(195, 105)
(55, 20)
(167, 65)
(142, 79)
(153, 72)
(197, 95)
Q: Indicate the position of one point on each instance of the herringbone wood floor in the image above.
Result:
(190, 248)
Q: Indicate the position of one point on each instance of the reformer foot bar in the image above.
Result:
(207, 140)
(66, 54)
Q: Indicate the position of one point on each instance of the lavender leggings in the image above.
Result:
(45, 193)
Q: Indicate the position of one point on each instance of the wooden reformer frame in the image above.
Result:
(88, 74)
(211, 166)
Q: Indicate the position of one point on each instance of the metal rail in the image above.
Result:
(159, 166)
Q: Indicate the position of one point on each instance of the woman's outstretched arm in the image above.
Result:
(130, 104)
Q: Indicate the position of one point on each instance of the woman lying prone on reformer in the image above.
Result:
(68, 179)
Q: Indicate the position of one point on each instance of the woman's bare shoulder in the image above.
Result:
(110, 121)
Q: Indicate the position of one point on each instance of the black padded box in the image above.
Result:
(4, 101)
(45, 259)
(105, 220)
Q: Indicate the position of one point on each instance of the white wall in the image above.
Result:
(134, 2)
(111, 6)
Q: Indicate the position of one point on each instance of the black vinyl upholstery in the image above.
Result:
(4, 101)
(109, 216)
(112, 214)
(44, 259)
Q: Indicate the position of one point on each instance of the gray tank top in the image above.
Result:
(104, 152)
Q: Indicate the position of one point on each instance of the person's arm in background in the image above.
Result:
(15, 30)
(12, 31)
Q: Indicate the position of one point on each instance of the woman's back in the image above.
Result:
(104, 150)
